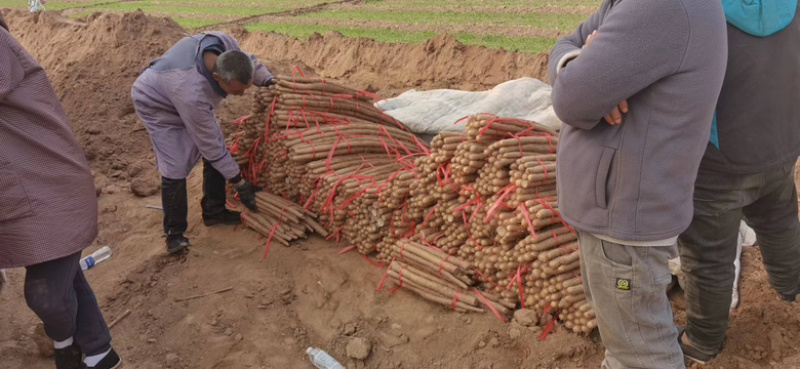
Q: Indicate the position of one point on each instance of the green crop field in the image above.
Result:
(528, 26)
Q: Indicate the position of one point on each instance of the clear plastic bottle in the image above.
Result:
(97, 257)
(322, 360)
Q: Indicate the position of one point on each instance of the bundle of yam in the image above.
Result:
(281, 220)
(324, 146)
(304, 122)
(440, 278)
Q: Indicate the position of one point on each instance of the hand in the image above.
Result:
(615, 117)
(247, 194)
(3, 279)
(589, 39)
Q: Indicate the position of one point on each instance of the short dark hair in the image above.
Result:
(234, 65)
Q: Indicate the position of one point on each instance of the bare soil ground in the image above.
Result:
(308, 294)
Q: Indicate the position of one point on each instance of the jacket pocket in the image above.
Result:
(603, 171)
(14, 201)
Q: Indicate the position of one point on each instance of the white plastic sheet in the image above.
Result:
(430, 112)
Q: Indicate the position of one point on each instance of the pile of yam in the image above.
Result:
(471, 222)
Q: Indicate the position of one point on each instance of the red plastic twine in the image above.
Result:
(455, 298)
(548, 329)
(505, 192)
(527, 217)
(383, 280)
(269, 239)
(489, 304)
(377, 264)
(399, 279)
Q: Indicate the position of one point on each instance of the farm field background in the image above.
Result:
(528, 26)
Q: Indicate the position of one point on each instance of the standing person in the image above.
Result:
(49, 211)
(35, 6)
(747, 171)
(176, 97)
(636, 86)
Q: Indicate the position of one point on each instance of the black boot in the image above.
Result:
(213, 202)
(228, 217)
(69, 358)
(176, 243)
(175, 204)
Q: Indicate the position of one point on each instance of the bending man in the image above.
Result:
(176, 97)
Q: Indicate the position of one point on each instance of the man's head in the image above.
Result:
(233, 70)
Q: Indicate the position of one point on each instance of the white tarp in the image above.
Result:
(430, 112)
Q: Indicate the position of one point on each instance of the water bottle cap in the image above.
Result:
(309, 350)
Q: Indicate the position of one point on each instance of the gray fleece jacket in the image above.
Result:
(634, 181)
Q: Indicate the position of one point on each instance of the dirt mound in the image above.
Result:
(442, 62)
(92, 64)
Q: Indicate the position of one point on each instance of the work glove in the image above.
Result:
(247, 195)
(3, 279)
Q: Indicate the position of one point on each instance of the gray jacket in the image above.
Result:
(758, 114)
(634, 181)
(176, 102)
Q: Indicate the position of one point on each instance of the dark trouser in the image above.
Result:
(627, 288)
(768, 204)
(57, 291)
(175, 203)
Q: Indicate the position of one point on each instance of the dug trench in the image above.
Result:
(307, 294)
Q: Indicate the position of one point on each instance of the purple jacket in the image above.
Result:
(634, 181)
(48, 204)
(176, 102)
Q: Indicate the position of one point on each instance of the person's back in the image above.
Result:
(44, 175)
(757, 124)
(747, 172)
(49, 211)
(625, 181)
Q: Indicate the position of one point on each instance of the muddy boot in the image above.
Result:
(69, 358)
(224, 217)
(176, 243)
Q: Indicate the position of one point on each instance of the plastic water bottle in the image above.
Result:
(322, 360)
(98, 257)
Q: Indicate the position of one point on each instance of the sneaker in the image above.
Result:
(695, 354)
(111, 361)
(176, 243)
(228, 217)
(69, 358)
